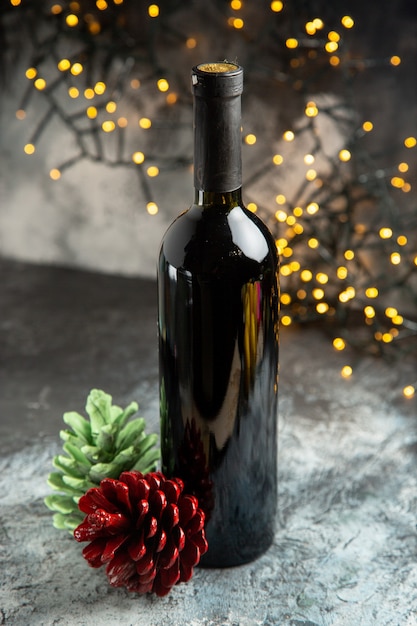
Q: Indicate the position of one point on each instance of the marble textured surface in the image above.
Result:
(345, 551)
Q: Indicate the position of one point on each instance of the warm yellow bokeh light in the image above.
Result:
(145, 123)
(285, 298)
(92, 113)
(306, 275)
(347, 21)
(311, 175)
(410, 142)
(63, 65)
(385, 232)
(153, 10)
(138, 157)
(152, 208)
(291, 43)
(250, 139)
(100, 87)
(311, 109)
(371, 292)
(322, 278)
(341, 272)
(73, 92)
(71, 20)
(339, 343)
(171, 98)
(237, 23)
(331, 46)
(152, 171)
(31, 73)
(333, 36)
(397, 181)
(76, 69)
(346, 371)
(345, 155)
(108, 126)
(409, 391)
(111, 106)
(395, 258)
(55, 174)
(278, 159)
(312, 208)
(40, 83)
(163, 84)
(318, 293)
(277, 6)
(29, 148)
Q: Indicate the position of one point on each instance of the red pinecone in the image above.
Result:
(145, 529)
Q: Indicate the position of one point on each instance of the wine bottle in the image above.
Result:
(218, 336)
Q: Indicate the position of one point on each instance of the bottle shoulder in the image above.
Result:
(203, 236)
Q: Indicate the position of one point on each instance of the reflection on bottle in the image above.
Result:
(193, 468)
(252, 334)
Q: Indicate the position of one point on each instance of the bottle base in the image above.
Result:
(233, 557)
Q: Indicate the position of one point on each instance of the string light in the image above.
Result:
(327, 250)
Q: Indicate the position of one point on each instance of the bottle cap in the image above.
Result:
(222, 79)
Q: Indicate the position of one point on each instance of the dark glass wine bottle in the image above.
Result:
(218, 336)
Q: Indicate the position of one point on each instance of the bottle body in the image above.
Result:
(218, 337)
(218, 348)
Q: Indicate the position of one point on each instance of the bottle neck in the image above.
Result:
(228, 199)
(217, 145)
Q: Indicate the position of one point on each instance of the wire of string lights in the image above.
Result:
(346, 228)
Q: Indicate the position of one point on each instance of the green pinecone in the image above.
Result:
(103, 447)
